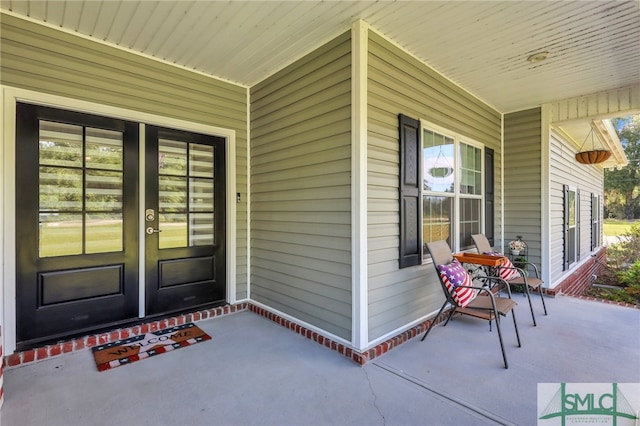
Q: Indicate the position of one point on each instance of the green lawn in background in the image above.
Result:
(53, 238)
(614, 227)
(59, 239)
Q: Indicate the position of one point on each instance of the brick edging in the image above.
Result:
(86, 342)
(579, 279)
(360, 358)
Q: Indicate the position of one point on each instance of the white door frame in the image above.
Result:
(9, 97)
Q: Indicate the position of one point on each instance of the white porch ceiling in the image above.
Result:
(482, 46)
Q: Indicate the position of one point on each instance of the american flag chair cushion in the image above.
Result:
(453, 276)
(507, 271)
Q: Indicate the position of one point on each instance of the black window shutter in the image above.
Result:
(410, 164)
(489, 195)
(577, 225)
(565, 262)
(593, 223)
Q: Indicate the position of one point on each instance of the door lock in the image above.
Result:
(152, 231)
(150, 215)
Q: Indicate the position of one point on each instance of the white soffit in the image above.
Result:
(480, 45)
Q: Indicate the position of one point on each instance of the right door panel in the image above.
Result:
(184, 220)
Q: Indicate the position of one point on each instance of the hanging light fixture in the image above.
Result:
(592, 156)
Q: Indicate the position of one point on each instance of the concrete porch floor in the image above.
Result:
(255, 372)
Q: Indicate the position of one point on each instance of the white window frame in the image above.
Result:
(456, 194)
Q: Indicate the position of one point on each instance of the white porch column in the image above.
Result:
(359, 287)
(545, 191)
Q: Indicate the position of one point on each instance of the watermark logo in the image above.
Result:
(616, 404)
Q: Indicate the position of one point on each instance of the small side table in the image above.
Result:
(486, 261)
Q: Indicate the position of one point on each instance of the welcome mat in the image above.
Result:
(133, 349)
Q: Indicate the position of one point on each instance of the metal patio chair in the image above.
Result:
(464, 298)
(514, 275)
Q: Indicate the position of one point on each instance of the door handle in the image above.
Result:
(152, 231)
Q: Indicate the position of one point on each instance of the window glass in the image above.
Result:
(172, 157)
(572, 208)
(103, 191)
(60, 144)
(452, 207)
(104, 232)
(80, 197)
(471, 170)
(437, 219)
(470, 214)
(60, 234)
(186, 194)
(104, 149)
(60, 189)
(438, 161)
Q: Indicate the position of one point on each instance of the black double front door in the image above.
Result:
(79, 219)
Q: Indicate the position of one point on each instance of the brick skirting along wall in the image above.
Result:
(87, 342)
(359, 357)
(580, 279)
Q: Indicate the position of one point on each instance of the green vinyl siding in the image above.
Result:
(301, 189)
(588, 179)
(398, 83)
(522, 186)
(46, 60)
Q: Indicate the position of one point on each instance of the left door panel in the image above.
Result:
(76, 223)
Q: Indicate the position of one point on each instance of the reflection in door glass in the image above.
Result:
(201, 161)
(186, 194)
(80, 190)
(174, 230)
(104, 231)
(172, 197)
(60, 144)
(172, 158)
(103, 191)
(60, 234)
(200, 224)
(60, 189)
(201, 195)
(104, 149)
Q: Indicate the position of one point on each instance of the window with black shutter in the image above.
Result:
(441, 189)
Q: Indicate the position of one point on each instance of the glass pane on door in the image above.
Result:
(186, 194)
(80, 190)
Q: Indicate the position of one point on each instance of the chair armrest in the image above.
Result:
(499, 280)
(535, 268)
